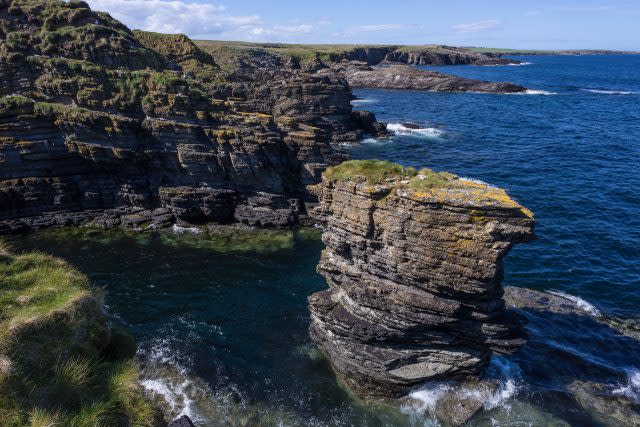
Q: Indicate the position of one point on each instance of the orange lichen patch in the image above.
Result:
(469, 195)
(224, 135)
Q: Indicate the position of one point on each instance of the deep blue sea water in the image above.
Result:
(221, 318)
(571, 155)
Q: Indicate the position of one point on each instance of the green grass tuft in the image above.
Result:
(58, 363)
(381, 171)
(371, 171)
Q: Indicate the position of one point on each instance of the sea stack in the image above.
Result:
(414, 263)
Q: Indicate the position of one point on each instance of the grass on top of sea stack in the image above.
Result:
(60, 364)
(382, 171)
(425, 184)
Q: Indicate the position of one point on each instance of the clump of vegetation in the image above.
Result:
(70, 29)
(15, 102)
(59, 365)
(371, 171)
(381, 171)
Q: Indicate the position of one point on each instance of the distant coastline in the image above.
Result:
(572, 52)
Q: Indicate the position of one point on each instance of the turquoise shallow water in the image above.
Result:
(222, 318)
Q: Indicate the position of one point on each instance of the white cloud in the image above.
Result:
(381, 27)
(174, 16)
(478, 27)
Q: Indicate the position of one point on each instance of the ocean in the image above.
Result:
(221, 319)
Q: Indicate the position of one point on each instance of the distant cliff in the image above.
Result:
(371, 54)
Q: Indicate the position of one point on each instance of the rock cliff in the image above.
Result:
(98, 123)
(413, 260)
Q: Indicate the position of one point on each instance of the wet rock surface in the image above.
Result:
(414, 267)
(183, 421)
(591, 371)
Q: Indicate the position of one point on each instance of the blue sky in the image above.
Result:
(542, 24)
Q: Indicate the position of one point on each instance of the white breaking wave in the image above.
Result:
(632, 389)
(168, 378)
(400, 129)
(579, 302)
(535, 92)
(370, 141)
(609, 91)
(364, 101)
(424, 400)
(520, 64)
(427, 397)
(185, 230)
(508, 373)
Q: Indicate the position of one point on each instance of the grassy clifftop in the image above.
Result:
(60, 363)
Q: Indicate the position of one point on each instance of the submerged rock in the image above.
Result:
(414, 267)
(592, 370)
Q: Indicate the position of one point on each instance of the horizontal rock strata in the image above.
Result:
(414, 266)
(101, 123)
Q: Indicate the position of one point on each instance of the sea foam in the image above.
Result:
(535, 92)
(400, 129)
(508, 373)
(580, 303)
(185, 230)
(609, 91)
(632, 389)
(364, 101)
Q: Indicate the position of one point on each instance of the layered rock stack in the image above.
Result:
(414, 267)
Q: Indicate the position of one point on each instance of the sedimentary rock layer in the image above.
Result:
(100, 123)
(414, 266)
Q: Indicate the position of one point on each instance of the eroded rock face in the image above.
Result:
(98, 123)
(414, 267)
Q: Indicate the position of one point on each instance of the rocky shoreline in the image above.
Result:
(406, 77)
(101, 134)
